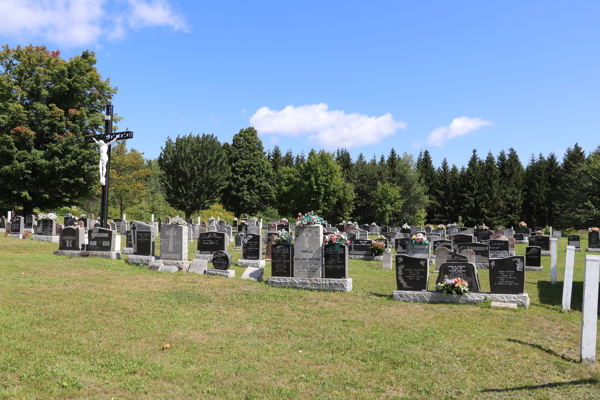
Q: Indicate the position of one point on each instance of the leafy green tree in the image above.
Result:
(47, 107)
(195, 172)
(249, 189)
(414, 195)
(387, 202)
(127, 183)
(287, 192)
(154, 201)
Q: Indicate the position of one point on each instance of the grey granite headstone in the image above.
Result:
(174, 243)
(71, 238)
(47, 227)
(308, 252)
(387, 262)
(441, 255)
(499, 248)
(17, 225)
(470, 254)
(101, 239)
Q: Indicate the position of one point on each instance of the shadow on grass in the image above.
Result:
(552, 294)
(548, 351)
(546, 385)
(383, 296)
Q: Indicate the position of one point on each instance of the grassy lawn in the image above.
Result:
(75, 328)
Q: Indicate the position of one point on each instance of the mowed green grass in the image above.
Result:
(74, 328)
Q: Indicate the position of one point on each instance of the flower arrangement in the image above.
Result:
(594, 229)
(308, 219)
(441, 226)
(522, 224)
(454, 286)
(374, 223)
(49, 216)
(244, 222)
(338, 238)
(419, 238)
(377, 248)
(177, 221)
(68, 215)
(406, 226)
(284, 237)
(483, 226)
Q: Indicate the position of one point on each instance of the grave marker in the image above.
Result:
(507, 275)
(465, 271)
(308, 256)
(282, 260)
(411, 273)
(174, 243)
(335, 264)
(71, 238)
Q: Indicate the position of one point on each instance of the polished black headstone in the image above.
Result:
(238, 239)
(533, 256)
(481, 250)
(211, 242)
(594, 239)
(144, 241)
(466, 271)
(17, 225)
(282, 260)
(574, 240)
(335, 263)
(361, 247)
(100, 239)
(498, 248)
(47, 227)
(523, 230)
(411, 273)
(519, 236)
(507, 275)
(461, 238)
(70, 238)
(542, 241)
(29, 221)
(444, 243)
(221, 260)
(251, 247)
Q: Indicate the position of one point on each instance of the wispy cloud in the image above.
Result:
(84, 22)
(458, 127)
(329, 128)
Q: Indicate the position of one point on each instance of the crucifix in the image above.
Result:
(105, 141)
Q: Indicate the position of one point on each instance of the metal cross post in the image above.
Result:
(107, 137)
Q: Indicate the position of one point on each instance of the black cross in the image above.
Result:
(107, 136)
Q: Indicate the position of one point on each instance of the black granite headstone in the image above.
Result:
(444, 243)
(401, 245)
(47, 227)
(594, 240)
(282, 260)
(238, 239)
(17, 225)
(533, 256)
(466, 271)
(498, 248)
(69, 221)
(519, 236)
(2, 223)
(143, 239)
(523, 230)
(411, 273)
(100, 239)
(574, 240)
(461, 238)
(507, 275)
(70, 239)
(221, 260)
(29, 221)
(542, 241)
(361, 247)
(335, 264)
(251, 247)
(211, 242)
(456, 257)
(283, 227)
(482, 251)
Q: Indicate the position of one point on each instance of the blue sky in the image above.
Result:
(449, 77)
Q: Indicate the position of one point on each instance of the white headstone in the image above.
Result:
(589, 310)
(9, 215)
(308, 252)
(386, 263)
(568, 282)
(554, 257)
(255, 274)
(152, 218)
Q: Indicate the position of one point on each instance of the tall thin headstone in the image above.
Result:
(554, 258)
(568, 280)
(589, 310)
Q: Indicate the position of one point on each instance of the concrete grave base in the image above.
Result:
(46, 238)
(546, 253)
(228, 273)
(2, 230)
(128, 250)
(365, 258)
(15, 235)
(183, 266)
(335, 285)
(255, 274)
(521, 300)
(589, 249)
(140, 260)
(250, 263)
(85, 253)
(206, 257)
(528, 268)
(28, 230)
(198, 266)
(522, 241)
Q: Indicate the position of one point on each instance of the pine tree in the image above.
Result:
(344, 159)
(365, 184)
(571, 198)
(474, 187)
(288, 159)
(442, 196)
(490, 200)
(510, 175)
(554, 173)
(536, 183)
(428, 177)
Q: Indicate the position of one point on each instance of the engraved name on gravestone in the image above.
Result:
(498, 248)
(482, 251)
(282, 258)
(308, 252)
(361, 247)
(507, 275)
(174, 243)
(144, 239)
(335, 265)
(466, 271)
(71, 238)
(100, 239)
(574, 240)
(251, 247)
(411, 273)
(211, 242)
(533, 256)
(221, 260)
(401, 245)
(542, 241)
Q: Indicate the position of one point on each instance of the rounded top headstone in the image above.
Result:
(221, 260)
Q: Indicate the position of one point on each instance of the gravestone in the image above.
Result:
(575, 241)
(362, 234)
(417, 250)
(254, 229)
(30, 222)
(453, 256)
(271, 240)
(507, 275)
(461, 238)
(533, 257)
(519, 237)
(499, 248)
(123, 226)
(441, 255)
(144, 239)
(2, 222)
(238, 239)
(594, 241)
(390, 236)
(227, 229)
(221, 260)
(411, 273)
(482, 252)
(101, 239)
(509, 232)
(17, 225)
(469, 255)
(416, 229)
(525, 231)
(401, 245)
(283, 227)
(387, 262)
(47, 227)
(442, 243)
(441, 233)
(69, 221)
(428, 229)
(308, 255)
(557, 234)
(71, 238)
(335, 263)
(361, 247)
(251, 247)
(282, 260)
(452, 230)
(211, 242)
(542, 241)
(374, 229)
(174, 243)
(432, 237)
(465, 271)
(385, 229)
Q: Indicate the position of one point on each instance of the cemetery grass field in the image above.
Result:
(77, 328)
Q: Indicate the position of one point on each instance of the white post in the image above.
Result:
(152, 219)
(589, 309)
(9, 215)
(124, 216)
(550, 231)
(568, 281)
(198, 221)
(554, 257)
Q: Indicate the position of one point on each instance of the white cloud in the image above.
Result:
(83, 22)
(458, 127)
(330, 129)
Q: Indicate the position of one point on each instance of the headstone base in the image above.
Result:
(181, 265)
(85, 253)
(250, 263)
(365, 258)
(140, 260)
(28, 230)
(46, 238)
(547, 253)
(206, 257)
(522, 241)
(198, 266)
(335, 285)
(20, 236)
(578, 249)
(2, 230)
(228, 273)
(255, 274)
(521, 300)
(128, 250)
(529, 268)
(589, 249)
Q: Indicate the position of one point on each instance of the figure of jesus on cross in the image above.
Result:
(103, 157)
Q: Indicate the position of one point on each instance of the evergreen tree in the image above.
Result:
(490, 199)
(473, 196)
(249, 189)
(344, 159)
(510, 176)
(571, 198)
(442, 196)
(456, 195)
(536, 183)
(591, 188)
(554, 173)
(392, 165)
(428, 176)
(365, 184)
(413, 191)
(300, 159)
(288, 159)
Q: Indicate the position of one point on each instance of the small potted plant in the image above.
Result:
(336, 239)
(177, 221)
(377, 248)
(454, 286)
